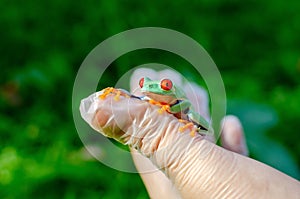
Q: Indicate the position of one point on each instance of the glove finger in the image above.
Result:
(232, 135)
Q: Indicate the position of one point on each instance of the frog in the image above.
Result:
(173, 100)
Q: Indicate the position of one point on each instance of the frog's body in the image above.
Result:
(167, 94)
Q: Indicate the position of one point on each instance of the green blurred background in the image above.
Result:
(256, 46)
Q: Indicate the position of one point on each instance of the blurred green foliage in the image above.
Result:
(254, 43)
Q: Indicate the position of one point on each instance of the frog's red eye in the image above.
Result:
(141, 83)
(166, 84)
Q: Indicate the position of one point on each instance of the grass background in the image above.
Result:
(254, 44)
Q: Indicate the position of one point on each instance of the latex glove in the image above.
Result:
(232, 137)
(193, 167)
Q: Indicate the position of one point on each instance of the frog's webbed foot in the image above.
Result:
(117, 92)
(106, 92)
(164, 107)
(188, 125)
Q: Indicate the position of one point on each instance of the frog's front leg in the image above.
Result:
(180, 110)
(180, 106)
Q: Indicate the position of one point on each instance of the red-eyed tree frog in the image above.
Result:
(172, 99)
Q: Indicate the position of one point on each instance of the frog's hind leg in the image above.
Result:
(198, 120)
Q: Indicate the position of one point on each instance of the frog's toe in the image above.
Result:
(189, 125)
(193, 133)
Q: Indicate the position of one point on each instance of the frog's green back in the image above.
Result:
(179, 92)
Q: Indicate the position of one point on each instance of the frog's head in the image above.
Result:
(162, 91)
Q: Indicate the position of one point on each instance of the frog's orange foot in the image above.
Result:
(110, 91)
(106, 92)
(189, 125)
(193, 133)
(160, 111)
(163, 109)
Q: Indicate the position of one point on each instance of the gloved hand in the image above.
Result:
(187, 167)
